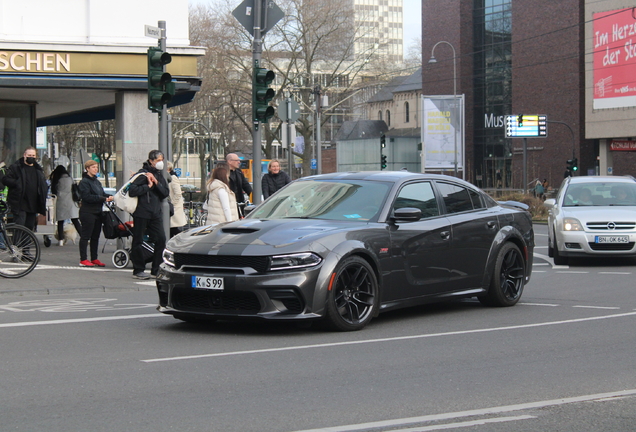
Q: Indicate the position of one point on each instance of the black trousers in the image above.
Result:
(91, 230)
(25, 219)
(153, 228)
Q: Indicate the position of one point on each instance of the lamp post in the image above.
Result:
(434, 60)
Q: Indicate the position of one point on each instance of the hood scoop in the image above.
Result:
(239, 230)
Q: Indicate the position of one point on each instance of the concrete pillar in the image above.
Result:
(606, 158)
(136, 133)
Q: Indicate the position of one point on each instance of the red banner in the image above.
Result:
(614, 45)
(623, 145)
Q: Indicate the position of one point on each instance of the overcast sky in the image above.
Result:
(412, 19)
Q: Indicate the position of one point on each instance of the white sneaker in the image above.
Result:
(60, 243)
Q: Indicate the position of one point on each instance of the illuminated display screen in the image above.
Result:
(526, 126)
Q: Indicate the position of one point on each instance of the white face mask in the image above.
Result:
(159, 165)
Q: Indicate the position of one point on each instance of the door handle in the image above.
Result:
(445, 235)
(491, 224)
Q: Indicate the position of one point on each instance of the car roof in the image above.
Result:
(601, 179)
(384, 176)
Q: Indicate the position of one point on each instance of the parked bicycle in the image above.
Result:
(194, 212)
(19, 247)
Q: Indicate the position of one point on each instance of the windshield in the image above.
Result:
(600, 194)
(326, 199)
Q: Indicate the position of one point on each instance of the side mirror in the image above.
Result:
(549, 203)
(406, 214)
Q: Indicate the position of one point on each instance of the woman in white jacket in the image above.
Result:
(178, 220)
(221, 202)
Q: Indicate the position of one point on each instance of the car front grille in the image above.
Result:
(239, 302)
(611, 246)
(611, 226)
(258, 263)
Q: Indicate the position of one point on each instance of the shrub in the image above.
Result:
(537, 209)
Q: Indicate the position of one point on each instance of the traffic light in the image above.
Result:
(262, 94)
(382, 141)
(160, 85)
(573, 165)
(382, 162)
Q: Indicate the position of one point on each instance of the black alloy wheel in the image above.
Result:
(506, 284)
(353, 298)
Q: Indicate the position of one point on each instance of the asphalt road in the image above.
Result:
(563, 359)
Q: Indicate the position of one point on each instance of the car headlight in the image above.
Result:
(294, 261)
(572, 224)
(168, 257)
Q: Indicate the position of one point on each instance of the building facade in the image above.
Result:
(515, 57)
(379, 25)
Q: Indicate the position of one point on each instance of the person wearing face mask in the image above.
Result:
(150, 189)
(27, 189)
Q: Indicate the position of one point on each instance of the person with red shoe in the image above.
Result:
(93, 198)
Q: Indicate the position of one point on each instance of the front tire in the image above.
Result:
(558, 258)
(353, 295)
(19, 251)
(506, 284)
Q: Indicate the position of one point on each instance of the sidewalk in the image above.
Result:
(58, 271)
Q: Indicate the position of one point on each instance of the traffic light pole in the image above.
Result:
(257, 50)
(163, 139)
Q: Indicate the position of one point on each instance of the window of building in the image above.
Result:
(17, 130)
(388, 118)
(380, 115)
(406, 112)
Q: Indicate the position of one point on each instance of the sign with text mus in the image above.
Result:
(614, 47)
(526, 126)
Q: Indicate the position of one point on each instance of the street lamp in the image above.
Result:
(434, 60)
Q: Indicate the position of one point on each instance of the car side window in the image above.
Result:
(420, 196)
(476, 199)
(456, 198)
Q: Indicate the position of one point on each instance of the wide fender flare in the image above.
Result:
(506, 234)
(337, 254)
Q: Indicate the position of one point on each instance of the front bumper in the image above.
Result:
(584, 243)
(282, 295)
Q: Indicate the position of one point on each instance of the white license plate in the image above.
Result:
(612, 239)
(204, 282)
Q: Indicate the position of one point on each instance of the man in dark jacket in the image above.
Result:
(27, 189)
(151, 189)
(238, 183)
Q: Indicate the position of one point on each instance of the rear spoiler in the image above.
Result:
(517, 204)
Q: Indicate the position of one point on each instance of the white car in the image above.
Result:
(592, 216)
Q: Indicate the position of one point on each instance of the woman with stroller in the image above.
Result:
(65, 207)
(93, 198)
(221, 202)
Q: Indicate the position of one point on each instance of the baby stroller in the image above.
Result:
(114, 228)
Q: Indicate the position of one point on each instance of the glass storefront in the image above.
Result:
(493, 92)
(17, 130)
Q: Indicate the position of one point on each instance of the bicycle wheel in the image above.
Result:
(19, 251)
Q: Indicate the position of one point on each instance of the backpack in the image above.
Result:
(75, 193)
(125, 202)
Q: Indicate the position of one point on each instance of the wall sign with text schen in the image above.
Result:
(526, 126)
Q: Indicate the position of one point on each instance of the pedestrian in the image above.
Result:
(65, 207)
(90, 213)
(27, 189)
(274, 180)
(538, 189)
(151, 189)
(221, 202)
(238, 183)
(178, 219)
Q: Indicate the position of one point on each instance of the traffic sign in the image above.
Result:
(244, 13)
(294, 113)
(177, 171)
(527, 126)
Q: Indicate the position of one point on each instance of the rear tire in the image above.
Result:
(508, 278)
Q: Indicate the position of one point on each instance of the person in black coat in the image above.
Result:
(238, 183)
(90, 213)
(274, 179)
(27, 189)
(150, 189)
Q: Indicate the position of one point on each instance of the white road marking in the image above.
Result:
(540, 264)
(597, 307)
(81, 320)
(92, 269)
(475, 412)
(391, 339)
(573, 272)
(464, 424)
(538, 304)
(615, 273)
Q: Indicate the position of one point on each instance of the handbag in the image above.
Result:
(75, 193)
(123, 200)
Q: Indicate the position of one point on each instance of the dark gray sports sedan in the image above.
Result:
(344, 247)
